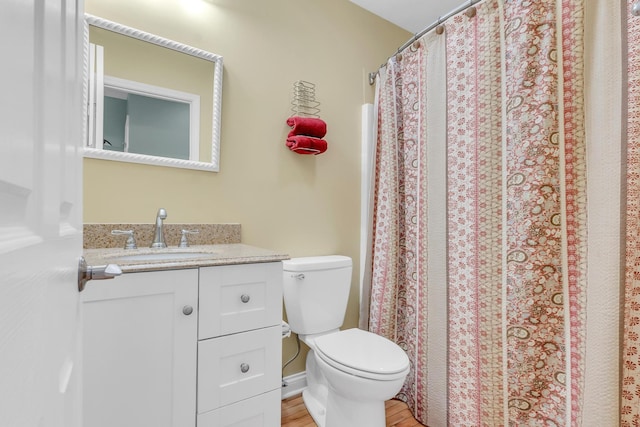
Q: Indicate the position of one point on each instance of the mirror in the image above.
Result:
(150, 100)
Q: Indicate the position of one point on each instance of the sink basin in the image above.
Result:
(164, 256)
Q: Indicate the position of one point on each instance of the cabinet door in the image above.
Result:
(236, 298)
(140, 350)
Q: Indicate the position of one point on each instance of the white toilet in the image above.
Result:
(349, 373)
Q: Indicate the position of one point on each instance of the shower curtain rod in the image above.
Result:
(441, 20)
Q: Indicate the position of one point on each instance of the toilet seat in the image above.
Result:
(363, 354)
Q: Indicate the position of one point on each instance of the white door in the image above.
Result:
(40, 212)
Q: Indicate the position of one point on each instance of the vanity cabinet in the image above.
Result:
(183, 348)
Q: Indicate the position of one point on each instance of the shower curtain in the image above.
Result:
(479, 220)
(631, 357)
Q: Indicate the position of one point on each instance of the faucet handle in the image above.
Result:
(131, 241)
(183, 240)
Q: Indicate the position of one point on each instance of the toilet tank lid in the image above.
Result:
(316, 263)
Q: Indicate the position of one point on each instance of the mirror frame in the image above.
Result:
(96, 153)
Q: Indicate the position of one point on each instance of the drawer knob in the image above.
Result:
(245, 298)
(187, 310)
(244, 368)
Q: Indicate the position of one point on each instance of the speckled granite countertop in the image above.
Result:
(96, 236)
(204, 255)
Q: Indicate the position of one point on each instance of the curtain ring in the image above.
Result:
(439, 26)
(398, 55)
(471, 12)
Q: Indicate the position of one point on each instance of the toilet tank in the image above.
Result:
(316, 291)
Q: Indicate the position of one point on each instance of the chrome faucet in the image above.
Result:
(158, 238)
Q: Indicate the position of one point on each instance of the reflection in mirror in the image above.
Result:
(151, 120)
(151, 100)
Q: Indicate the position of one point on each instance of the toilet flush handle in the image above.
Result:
(298, 276)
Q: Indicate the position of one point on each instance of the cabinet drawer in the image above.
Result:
(235, 298)
(236, 367)
(259, 411)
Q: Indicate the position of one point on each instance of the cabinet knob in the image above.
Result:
(244, 368)
(187, 310)
(245, 298)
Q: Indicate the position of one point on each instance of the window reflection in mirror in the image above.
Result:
(146, 119)
(145, 125)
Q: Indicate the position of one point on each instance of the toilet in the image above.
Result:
(349, 373)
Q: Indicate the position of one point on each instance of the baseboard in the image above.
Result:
(294, 384)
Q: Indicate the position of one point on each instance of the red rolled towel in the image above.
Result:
(306, 144)
(309, 126)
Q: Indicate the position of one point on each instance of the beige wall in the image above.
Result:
(304, 205)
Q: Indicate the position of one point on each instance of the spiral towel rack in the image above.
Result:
(303, 102)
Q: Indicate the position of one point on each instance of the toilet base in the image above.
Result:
(370, 414)
(330, 408)
(343, 412)
(315, 395)
(315, 408)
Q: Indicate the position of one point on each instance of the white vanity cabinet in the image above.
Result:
(181, 348)
(139, 350)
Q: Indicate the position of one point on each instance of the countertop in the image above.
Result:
(220, 254)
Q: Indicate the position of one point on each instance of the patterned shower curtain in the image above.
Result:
(478, 224)
(630, 408)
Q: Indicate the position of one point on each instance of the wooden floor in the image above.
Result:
(294, 414)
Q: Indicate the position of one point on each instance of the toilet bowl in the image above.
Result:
(349, 373)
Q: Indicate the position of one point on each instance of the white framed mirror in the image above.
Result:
(150, 100)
